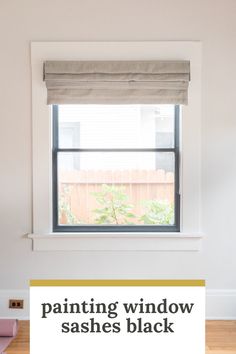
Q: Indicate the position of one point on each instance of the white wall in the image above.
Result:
(212, 22)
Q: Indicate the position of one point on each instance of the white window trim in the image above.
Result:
(189, 238)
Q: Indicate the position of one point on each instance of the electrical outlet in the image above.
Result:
(16, 304)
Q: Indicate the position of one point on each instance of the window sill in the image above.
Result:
(117, 242)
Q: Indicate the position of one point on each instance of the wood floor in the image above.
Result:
(21, 344)
(220, 338)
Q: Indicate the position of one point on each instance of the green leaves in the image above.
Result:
(116, 210)
(114, 207)
(158, 212)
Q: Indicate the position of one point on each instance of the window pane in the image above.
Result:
(165, 127)
(116, 126)
(121, 188)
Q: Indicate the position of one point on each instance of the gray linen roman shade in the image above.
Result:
(117, 82)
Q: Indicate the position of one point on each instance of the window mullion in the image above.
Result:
(115, 150)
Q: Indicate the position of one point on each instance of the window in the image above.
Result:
(190, 230)
(116, 168)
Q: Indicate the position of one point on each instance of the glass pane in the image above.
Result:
(165, 125)
(116, 126)
(105, 188)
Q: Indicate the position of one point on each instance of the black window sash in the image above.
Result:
(112, 228)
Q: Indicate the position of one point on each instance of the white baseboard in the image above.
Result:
(220, 304)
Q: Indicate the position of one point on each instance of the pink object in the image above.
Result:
(8, 331)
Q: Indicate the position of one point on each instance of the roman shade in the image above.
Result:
(117, 82)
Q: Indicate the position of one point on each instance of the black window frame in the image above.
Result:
(113, 228)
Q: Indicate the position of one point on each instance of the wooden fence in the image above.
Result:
(77, 188)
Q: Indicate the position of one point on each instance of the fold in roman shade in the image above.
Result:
(117, 82)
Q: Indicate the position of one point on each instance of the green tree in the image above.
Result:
(114, 207)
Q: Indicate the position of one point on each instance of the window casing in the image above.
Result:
(58, 148)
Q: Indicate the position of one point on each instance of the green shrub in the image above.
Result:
(158, 213)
